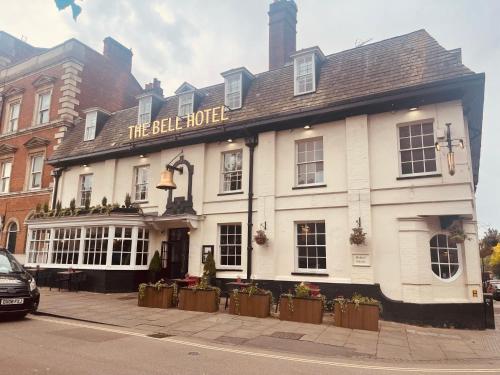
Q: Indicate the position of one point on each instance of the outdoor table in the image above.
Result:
(69, 274)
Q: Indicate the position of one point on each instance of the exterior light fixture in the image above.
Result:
(412, 109)
(307, 127)
(142, 156)
(229, 140)
(85, 166)
(450, 143)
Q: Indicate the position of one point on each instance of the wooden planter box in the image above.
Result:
(256, 305)
(198, 300)
(364, 317)
(305, 310)
(153, 297)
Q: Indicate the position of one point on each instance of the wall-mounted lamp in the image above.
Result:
(450, 143)
(229, 140)
(85, 166)
(307, 127)
(142, 156)
(412, 109)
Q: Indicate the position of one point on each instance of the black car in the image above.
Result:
(19, 294)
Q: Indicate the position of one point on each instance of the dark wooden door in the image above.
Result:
(177, 253)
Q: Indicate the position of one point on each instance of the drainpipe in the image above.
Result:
(56, 173)
(250, 142)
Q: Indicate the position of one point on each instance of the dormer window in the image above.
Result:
(233, 91)
(186, 104)
(305, 68)
(145, 106)
(90, 126)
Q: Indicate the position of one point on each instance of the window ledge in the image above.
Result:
(419, 176)
(308, 186)
(229, 270)
(310, 274)
(230, 193)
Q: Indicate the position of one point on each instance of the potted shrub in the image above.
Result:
(260, 237)
(155, 267)
(251, 301)
(456, 233)
(200, 297)
(159, 295)
(358, 312)
(209, 270)
(302, 306)
(358, 237)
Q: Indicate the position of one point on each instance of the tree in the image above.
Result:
(495, 260)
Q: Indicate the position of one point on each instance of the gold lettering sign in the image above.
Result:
(199, 119)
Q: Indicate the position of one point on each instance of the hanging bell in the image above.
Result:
(167, 180)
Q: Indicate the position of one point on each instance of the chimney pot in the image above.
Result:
(282, 32)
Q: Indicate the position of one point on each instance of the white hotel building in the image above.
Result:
(303, 152)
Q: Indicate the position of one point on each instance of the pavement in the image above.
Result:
(393, 343)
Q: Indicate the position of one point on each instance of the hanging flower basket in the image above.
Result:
(260, 237)
(456, 233)
(358, 237)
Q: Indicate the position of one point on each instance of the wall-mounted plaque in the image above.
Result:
(205, 250)
(361, 260)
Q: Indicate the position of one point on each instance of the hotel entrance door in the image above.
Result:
(177, 253)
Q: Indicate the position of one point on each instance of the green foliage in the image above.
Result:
(58, 206)
(155, 264)
(87, 203)
(46, 207)
(302, 290)
(128, 200)
(104, 201)
(156, 286)
(209, 266)
(72, 205)
(491, 238)
(456, 233)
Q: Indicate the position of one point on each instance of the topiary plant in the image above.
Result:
(128, 200)
(155, 266)
(72, 205)
(87, 203)
(209, 270)
(46, 207)
(104, 201)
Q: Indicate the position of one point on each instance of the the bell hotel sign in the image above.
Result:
(202, 118)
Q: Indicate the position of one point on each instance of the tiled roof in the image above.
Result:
(397, 63)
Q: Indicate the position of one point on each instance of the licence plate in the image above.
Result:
(12, 301)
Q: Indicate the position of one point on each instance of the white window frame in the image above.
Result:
(304, 140)
(459, 255)
(12, 123)
(296, 77)
(37, 250)
(90, 126)
(239, 90)
(143, 237)
(185, 99)
(121, 253)
(4, 176)
(437, 154)
(39, 109)
(145, 110)
(136, 183)
(80, 188)
(33, 172)
(296, 252)
(219, 246)
(223, 173)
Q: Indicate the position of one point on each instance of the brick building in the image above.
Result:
(42, 93)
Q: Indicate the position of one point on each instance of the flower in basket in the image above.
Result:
(358, 237)
(456, 233)
(260, 237)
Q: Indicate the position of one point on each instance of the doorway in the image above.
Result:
(177, 254)
(12, 237)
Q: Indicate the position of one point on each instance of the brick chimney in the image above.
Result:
(282, 32)
(154, 87)
(117, 53)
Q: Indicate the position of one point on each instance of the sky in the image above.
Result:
(196, 40)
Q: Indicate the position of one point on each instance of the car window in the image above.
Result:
(8, 264)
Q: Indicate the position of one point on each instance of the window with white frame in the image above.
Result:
(233, 91)
(13, 119)
(416, 148)
(311, 245)
(66, 245)
(232, 170)
(304, 74)
(95, 248)
(5, 171)
(85, 189)
(90, 126)
(38, 246)
(141, 258)
(309, 161)
(141, 182)
(444, 256)
(35, 172)
(42, 114)
(145, 105)
(230, 244)
(122, 246)
(186, 104)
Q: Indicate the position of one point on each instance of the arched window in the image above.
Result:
(444, 256)
(11, 237)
